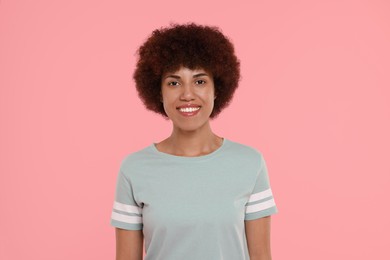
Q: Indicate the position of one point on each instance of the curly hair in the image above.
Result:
(192, 46)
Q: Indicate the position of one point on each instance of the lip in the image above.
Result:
(188, 114)
(188, 105)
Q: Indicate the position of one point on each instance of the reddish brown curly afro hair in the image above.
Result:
(192, 46)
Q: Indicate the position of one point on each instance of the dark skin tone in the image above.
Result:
(192, 136)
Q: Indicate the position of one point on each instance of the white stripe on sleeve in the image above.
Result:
(260, 195)
(127, 208)
(126, 218)
(260, 206)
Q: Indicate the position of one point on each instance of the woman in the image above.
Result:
(194, 195)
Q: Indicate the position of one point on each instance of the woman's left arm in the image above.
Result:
(258, 238)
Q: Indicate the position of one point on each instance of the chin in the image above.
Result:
(190, 126)
(187, 128)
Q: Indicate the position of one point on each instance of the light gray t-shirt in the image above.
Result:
(193, 207)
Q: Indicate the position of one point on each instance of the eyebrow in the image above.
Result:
(195, 76)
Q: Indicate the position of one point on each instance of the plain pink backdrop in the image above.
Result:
(314, 98)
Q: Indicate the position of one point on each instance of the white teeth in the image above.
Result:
(189, 109)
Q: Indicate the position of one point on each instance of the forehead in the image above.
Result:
(187, 71)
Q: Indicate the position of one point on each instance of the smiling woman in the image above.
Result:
(194, 195)
(188, 98)
(191, 46)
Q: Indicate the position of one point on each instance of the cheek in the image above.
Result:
(208, 97)
(169, 101)
(167, 96)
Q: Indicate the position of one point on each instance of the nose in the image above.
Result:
(187, 93)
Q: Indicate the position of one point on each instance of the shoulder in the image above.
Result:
(136, 159)
(245, 150)
(246, 153)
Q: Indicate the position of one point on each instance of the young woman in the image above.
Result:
(195, 195)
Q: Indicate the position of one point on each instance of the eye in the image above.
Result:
(173, 83)
(200, 82)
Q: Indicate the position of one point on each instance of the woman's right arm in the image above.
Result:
(129, 244)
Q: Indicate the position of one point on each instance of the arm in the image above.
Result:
(258, 238)
(129, 244)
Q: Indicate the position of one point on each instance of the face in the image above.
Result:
(188, 97)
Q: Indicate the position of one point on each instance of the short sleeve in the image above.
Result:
(126, 214)
(261, 202)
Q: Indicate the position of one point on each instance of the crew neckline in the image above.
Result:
(190, 158)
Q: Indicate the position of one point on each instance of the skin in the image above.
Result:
(192, 136)
(258, 232)
(129, 244)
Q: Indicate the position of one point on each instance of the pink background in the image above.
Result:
(314, 98)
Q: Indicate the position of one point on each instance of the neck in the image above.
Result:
(193, 143)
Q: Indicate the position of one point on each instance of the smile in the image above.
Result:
(188, 111)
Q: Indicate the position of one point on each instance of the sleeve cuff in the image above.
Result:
(261, 214)
(127, 226)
